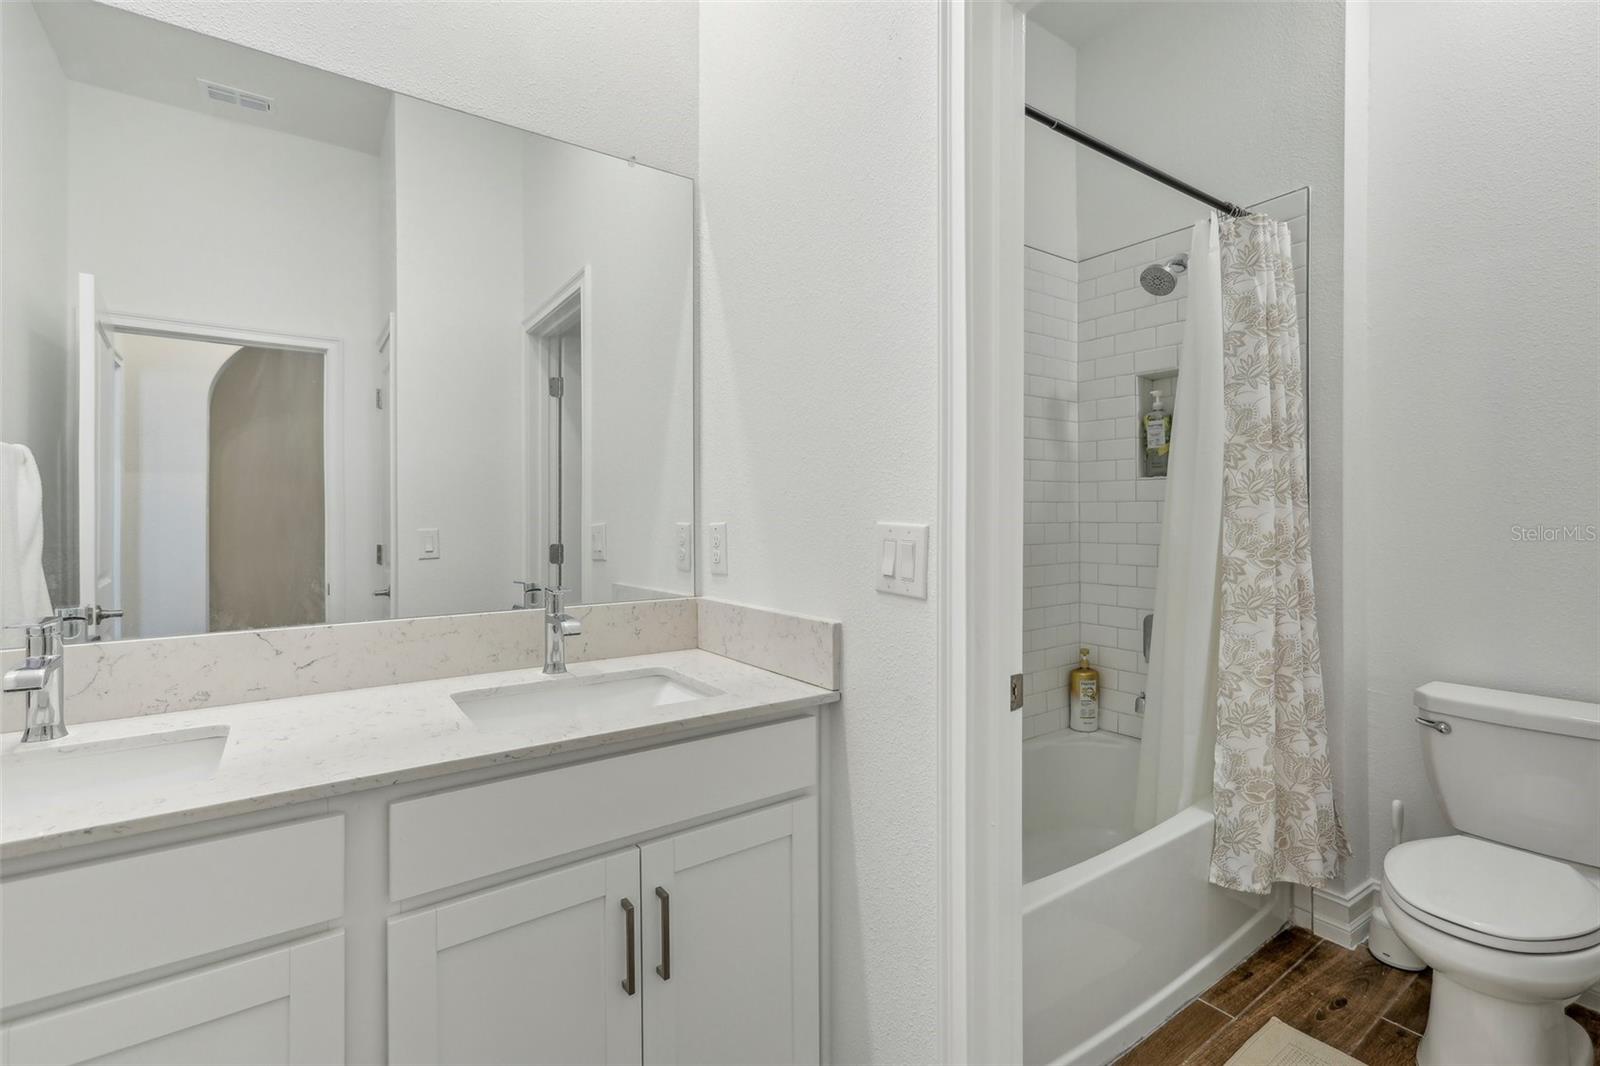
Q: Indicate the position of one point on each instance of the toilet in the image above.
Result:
(1507, 910)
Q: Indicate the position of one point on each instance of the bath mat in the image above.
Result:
(1279, 1044)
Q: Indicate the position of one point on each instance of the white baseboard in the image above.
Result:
(1343, 918)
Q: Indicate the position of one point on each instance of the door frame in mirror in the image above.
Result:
(336, 608)
(539, 328)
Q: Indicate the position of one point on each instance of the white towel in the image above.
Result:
(24, 597)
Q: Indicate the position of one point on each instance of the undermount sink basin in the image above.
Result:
(592, 695)
(48, 774)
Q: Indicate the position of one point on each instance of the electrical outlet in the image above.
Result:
(597, 542)
(683, 546)
(719, 547)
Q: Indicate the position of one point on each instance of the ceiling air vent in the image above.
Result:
(227, 94)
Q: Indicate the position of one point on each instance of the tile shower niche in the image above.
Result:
(1165, 382)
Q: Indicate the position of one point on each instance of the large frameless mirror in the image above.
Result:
(286, 348)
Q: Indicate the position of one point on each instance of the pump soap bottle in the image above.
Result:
(1083, 695)
(1157, 436)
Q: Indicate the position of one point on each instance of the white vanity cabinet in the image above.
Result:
(532, 972)
(285, 1005)
(127, 938)
(731, 935)
(658, 904)
(698, 948)
(694, 945)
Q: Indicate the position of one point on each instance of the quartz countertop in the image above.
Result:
(312, 747)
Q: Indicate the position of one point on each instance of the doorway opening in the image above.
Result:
(226, 455)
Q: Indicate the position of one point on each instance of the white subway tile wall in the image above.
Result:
(1050, 560)
(1091, 583)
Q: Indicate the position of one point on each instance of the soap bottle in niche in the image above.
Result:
(1083, 695)
(1157, 436)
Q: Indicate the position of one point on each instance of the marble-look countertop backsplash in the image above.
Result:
(806, 649)
(121, 679)
(126, 678)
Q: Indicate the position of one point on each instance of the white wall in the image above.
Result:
(1242, 100)
(166, 461)
(1483, 384)
(458, 241)
(35, 371)
(210, 221)
(1050, 183)
(631, 226)
(819, 398)
(617, 77)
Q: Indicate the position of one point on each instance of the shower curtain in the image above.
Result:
(1180, 690)
(1235, 681)
(1273, 784)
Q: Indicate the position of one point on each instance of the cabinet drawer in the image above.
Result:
(284, 1005)
(453, 837)
(80, 925)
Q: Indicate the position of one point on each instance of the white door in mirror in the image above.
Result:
(902, 553)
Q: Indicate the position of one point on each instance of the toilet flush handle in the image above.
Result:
(1437, 727)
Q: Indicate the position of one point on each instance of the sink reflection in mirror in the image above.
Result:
(99, 770)
(522, 706)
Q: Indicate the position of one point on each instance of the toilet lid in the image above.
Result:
(1521, 900)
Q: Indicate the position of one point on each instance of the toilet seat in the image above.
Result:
(1494, 895)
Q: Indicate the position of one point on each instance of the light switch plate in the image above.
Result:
(683, 545)
(597, 541)
(427, 544)
(719, 547)
(907, 545)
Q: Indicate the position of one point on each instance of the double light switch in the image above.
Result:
(903, 559)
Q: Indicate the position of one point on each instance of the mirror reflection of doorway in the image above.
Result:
(222, 461)
(554, 463)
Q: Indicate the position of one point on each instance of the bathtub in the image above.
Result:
(1119, 930)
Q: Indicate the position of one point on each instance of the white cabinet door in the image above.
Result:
(284, 1006)
(731, 943)
(534, 972)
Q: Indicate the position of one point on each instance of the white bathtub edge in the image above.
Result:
(1044, 890)
(1139, 1023)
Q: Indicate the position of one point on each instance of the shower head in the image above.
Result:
(1159, 279)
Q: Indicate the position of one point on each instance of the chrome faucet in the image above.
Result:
(559, 625)
(39, 679)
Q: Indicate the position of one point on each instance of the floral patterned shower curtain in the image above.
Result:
(1273, 785)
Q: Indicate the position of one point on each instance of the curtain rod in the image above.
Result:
(1112, 152)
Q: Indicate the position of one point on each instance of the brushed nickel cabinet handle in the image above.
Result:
(664, 971)
(629, 986)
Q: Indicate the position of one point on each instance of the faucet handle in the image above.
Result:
(531, 590)
(36, 638)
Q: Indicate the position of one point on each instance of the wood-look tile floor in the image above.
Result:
(1344, 998)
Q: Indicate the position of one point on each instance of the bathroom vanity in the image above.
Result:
(351, 421)
(619, 866)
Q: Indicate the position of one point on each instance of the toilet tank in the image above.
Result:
(1522, 770)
